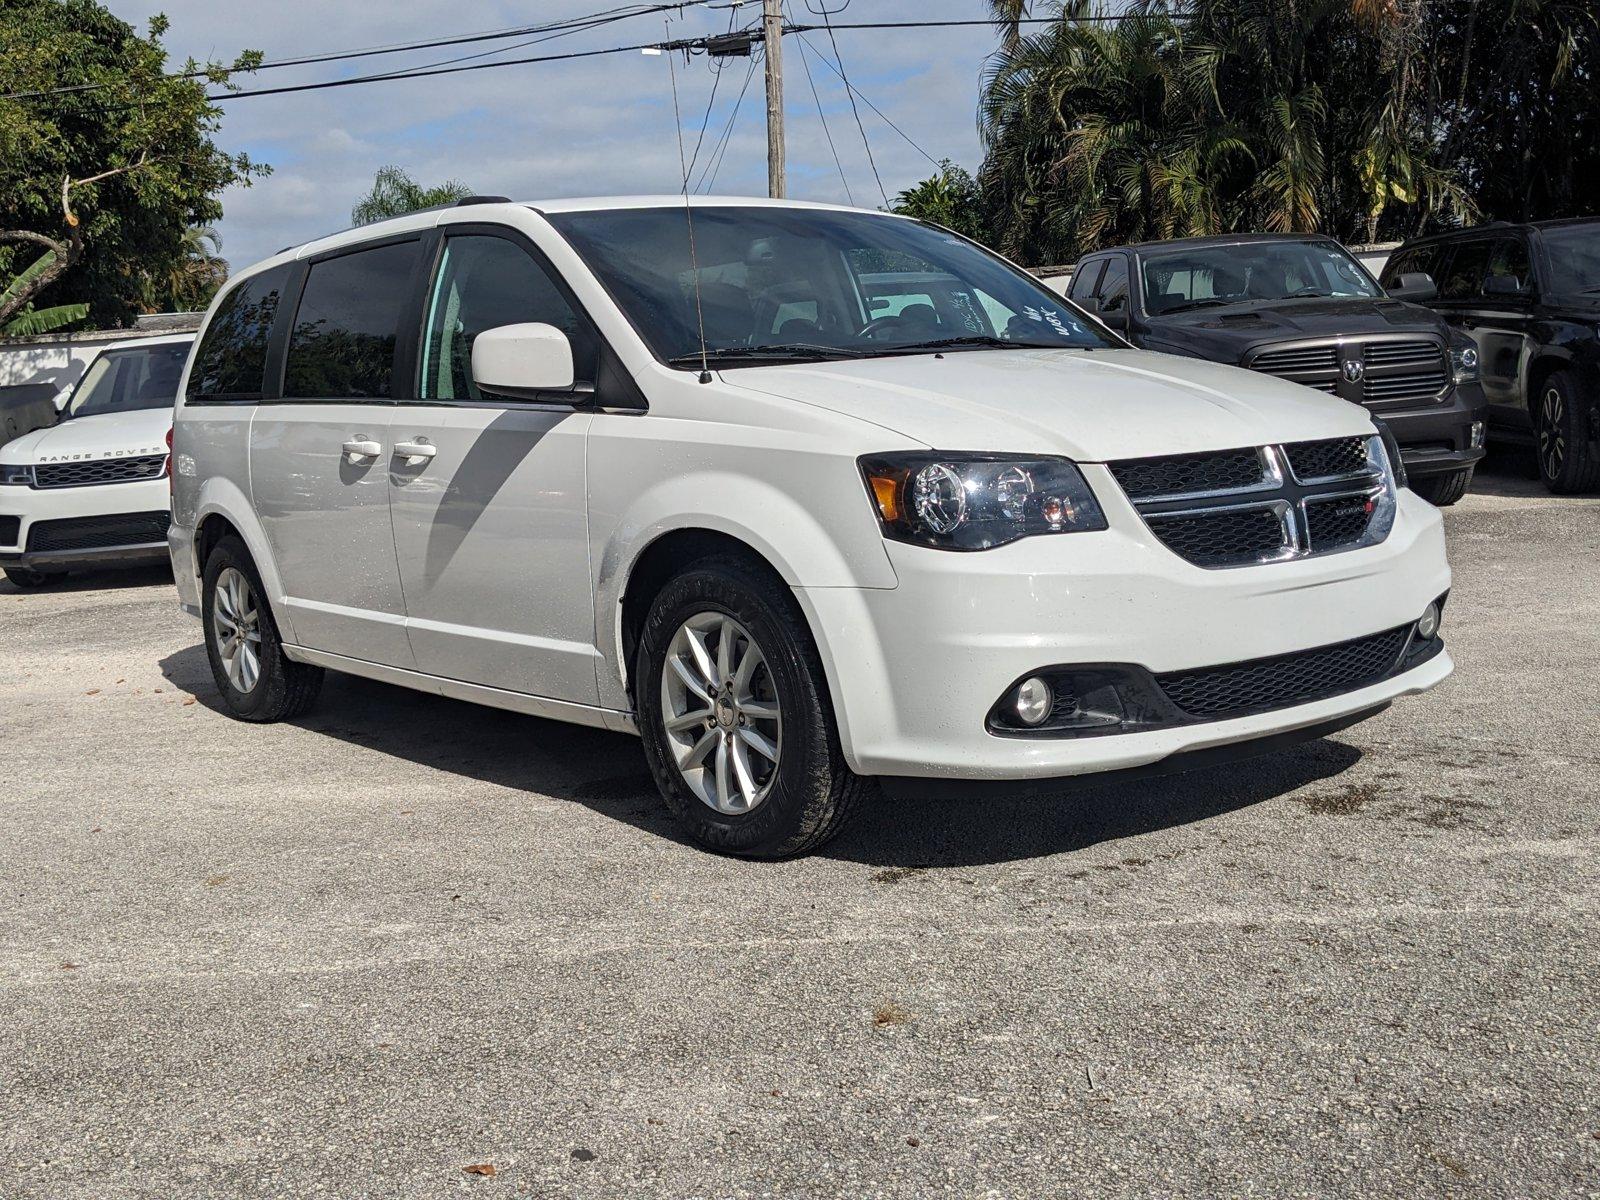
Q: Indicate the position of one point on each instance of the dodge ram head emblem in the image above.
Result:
(1354, 369)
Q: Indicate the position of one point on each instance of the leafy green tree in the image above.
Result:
(105, 158)
(29, 320)
(190, 281)
(394, 193)
(949, 198)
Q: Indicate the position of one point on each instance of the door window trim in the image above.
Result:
(613, 388)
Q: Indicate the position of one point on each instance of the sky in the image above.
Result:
(598, 126)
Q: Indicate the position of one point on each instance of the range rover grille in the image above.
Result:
(1307, 498)
(1286, 679)
(98, 533)
(98, 471)
(1383, 370)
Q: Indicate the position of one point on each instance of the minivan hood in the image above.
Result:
(1088, 405)
(107, 435)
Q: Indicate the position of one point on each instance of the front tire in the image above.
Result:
(1441, 491)
(734, 712)
(1564, 436)
(257, 682)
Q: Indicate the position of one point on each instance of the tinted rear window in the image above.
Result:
(232, 358)
(343, 342)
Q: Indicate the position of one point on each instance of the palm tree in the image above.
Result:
(394, 193)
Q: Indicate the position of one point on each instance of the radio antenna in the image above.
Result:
(688, 213)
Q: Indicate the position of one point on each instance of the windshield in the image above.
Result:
(786, 284)
(1573, 252)
(128, 380)
(1211, 275)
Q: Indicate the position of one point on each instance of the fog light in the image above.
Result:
(1428, 625)
(1034, 700)
(1478, 429)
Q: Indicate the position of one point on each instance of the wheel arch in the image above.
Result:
(223, 509)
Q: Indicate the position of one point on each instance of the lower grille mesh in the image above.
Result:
(1286, 680)
(1226, 536)
(98, 533)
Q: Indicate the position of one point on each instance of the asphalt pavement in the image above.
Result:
(412, 947)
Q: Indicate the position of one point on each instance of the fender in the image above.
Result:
(791, 538)
(220, 496)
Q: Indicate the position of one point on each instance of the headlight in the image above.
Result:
(1464, 359)
(1391, 451)
(978, 501)
(20, 474)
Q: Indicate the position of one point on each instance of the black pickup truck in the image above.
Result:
(1301, 307)
(1529, 297)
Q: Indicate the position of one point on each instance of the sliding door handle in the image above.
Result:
(418, 450)
(360, 447)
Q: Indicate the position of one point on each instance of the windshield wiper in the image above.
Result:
(1188, 304)
(998, 343)
(778, 352)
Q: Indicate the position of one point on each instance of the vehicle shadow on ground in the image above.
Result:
(156, 575)
(606, 772)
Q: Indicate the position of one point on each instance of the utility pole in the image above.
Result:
(772, 25)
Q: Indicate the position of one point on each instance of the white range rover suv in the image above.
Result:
(805, 496)
(92, 490)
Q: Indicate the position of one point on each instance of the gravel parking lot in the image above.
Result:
(410, 947)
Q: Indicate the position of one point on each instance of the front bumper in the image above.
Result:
(38, 510)
(1437, 440)
(915, 669)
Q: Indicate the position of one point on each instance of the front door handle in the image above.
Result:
(360, 447)
(418, 450)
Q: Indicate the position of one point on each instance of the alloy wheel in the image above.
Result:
(1552, 438)
(236, 620)
(721, 714)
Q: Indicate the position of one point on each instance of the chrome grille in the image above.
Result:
(1381, 370)
(1310, 498)
(100, 470)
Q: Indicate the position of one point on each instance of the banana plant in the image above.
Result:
(42, 320)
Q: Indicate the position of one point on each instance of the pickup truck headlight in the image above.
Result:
(978, 501)
(18, 474)
(1464, 359)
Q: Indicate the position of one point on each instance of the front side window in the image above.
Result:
(1572, 253)
(778, 284)
(231, 361)
(1508, 259)
(128, 380)
(1113, 290)
(1419, 260)
(343, 342)
(1084, 279)
(1197, 277)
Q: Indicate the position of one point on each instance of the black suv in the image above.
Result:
(1529, 297)
(1299, 306)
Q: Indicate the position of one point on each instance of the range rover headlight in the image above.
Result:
(19, 474)
(978, 501)
(1463, 359)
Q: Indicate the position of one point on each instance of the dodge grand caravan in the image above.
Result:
(805, 496)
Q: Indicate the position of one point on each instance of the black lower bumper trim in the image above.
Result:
(915, 788)
(43, 559)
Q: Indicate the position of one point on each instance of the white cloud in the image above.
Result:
(588, 127)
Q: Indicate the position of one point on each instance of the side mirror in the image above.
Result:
(1115, 318)
(1416, 286)
(522, 361)
(1504, 286)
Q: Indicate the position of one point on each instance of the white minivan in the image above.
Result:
(807, 497)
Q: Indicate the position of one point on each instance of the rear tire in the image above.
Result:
(1565, 433)
(749, 803)
(27, 577)
(1443, 490)
(257, 682)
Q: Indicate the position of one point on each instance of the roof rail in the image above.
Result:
(466, 200)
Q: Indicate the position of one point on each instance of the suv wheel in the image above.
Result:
(1564, 433)
(1443, 490)
(247, 661)
(27, 577)
(734, 712)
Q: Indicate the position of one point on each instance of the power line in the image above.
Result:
(708, 177)
(554, 28)
(805, 61)
(875, 108)
(856, 112)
